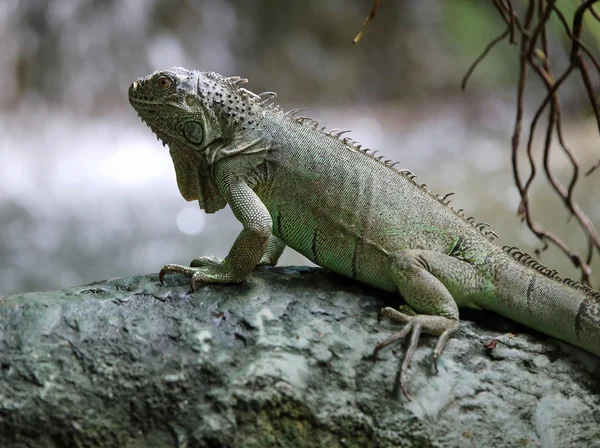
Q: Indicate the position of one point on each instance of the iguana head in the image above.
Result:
(173, 105)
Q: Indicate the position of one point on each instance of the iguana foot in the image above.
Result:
(211, 261)
(414, 324)
(205, 261)
(203, 270)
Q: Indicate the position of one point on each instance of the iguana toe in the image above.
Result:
(212, 271)
(436, 325)
(174, 268)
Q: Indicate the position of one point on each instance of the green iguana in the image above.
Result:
(290, 182)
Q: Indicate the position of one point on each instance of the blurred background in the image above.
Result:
(87, 193)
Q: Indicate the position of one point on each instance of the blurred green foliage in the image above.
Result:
(471, 26)
(591, 26)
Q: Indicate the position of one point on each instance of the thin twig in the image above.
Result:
(506, 15)
(594, 13)
(519, 116)
(367, 21)
(483, 54)
(533, 36)
(512, 23)
(575, 38)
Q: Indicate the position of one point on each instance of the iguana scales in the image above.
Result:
(291, 182)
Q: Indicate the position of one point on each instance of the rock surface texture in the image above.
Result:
(281, 360)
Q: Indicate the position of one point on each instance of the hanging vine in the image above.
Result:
(528, 31)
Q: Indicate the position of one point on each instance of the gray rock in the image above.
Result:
(280, 360)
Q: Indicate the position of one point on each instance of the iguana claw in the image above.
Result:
(203, 270)
(194, 283)
(161, 276)
(177, 268)
(441, 326)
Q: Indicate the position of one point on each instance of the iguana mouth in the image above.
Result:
(147, 110)
(134, 94)
(135, 100)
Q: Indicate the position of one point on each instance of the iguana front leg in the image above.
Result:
(274, 250)
(431, 283)
(270, 257)
(248, 248)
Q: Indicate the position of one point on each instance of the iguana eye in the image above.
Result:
(193, 132)
(163, 82)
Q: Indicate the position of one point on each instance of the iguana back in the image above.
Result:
(346, 210)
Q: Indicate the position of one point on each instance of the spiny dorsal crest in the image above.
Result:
(266, 97)
(531, 262)
(236, 81)
(291, 113)
(265, 100)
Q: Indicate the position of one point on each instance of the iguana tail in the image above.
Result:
(535, 296)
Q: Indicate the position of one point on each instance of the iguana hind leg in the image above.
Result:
(431, 283)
